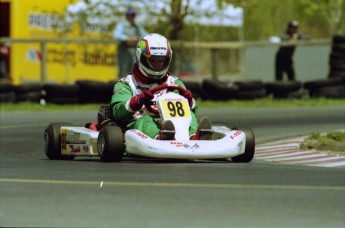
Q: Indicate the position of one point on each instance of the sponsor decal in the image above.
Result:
(140, 134)
(73, 136)
(158, 48)
(33, 55)
(74, 148)
(176, 143)
(185, 145)
(233, 136)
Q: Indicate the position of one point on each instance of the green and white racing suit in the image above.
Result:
(142, 120)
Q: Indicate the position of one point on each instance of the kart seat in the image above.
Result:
(105, 118)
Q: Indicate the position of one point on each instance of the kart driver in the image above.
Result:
(131, 93)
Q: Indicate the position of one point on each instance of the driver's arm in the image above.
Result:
(122, 93)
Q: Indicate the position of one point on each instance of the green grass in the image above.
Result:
(332, 142)
(265, 102)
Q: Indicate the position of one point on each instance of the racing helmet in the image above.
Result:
(153, 55)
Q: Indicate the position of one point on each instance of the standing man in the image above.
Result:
(127, 32)
(283, 60)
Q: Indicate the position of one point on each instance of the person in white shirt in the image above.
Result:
(128, 33)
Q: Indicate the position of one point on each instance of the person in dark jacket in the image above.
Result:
(284, 56)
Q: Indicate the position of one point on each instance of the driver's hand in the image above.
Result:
(137, 102)
(189, 96)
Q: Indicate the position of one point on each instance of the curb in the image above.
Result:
(288, 152)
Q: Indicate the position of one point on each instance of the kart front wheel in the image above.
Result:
(110, 144)
(52, 142)
(249, 149)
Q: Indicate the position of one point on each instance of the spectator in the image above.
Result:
(153, 58)
(127, 32)
(283, 60)
(4, 61)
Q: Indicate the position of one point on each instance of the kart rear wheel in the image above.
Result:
(249, 149)
(52, 142)
(110, 144)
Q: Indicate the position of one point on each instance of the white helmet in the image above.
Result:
(153, 48)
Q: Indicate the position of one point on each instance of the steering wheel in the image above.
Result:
(180, 89)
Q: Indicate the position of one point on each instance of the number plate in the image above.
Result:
(175, 108)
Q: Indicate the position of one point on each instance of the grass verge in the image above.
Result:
(331, 143)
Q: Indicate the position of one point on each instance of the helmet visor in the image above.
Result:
(157, 63)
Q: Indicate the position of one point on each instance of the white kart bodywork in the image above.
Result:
(226, 143)
(81, 141)
(232, 144)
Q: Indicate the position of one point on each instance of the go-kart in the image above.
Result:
(111, 141)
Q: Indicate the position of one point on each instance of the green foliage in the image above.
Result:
(262, 18)
(314, 135)
(336, 136)
(332, 142)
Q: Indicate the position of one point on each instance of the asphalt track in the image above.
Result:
(37, 192)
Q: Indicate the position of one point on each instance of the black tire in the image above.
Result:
(336, 74)
(315, 85)
(94, 92)
(29, 87)
(52, 142)
(6, 87)
(338, 39)
(251, 94)
(335, 92)
(61, 94)
(337, 56)
(250, 85)
(283, 86)
(338, 48)
(7, 97)
(111, 144)
(219, 90)
(33, 96)
(249, 149)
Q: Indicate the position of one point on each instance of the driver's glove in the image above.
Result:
(189, 96)
(137, 102)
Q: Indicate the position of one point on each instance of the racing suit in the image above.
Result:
(141, 120)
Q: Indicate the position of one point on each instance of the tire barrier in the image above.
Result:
(327, 88)
(95, 91)
(7, 93)
(29, 92)
(219, 90)
(284, 89)
(89, 91)
(249, 90)
(337, 57)
(61, 94)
